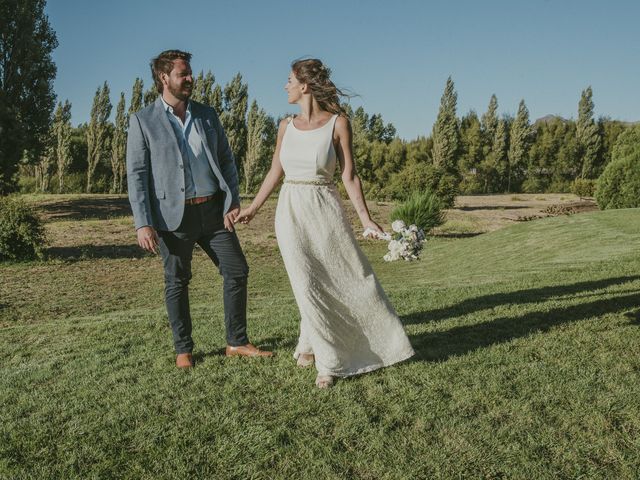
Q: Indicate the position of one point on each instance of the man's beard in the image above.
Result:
(179, 93)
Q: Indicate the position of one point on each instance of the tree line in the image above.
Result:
(471, 154)
(489, 153)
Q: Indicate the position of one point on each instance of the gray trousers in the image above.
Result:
(203, 224)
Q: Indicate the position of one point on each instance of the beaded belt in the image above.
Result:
(309, 182)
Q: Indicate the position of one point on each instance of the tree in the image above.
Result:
(588, 134)
(97, 131)
(233, 117)
(260, 142)
(471, 140)
(150, 95)
(136, 96)
(494, 169)
(62, 130)
(446, 136)
(521, 137)
(26, 84)
(118, 147)
(489, 123)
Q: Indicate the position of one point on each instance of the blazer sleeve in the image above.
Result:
(227, 162)
(138, 173)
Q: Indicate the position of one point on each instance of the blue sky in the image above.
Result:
(395, 55)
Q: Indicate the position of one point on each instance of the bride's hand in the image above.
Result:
(245, 215)
(371, 225)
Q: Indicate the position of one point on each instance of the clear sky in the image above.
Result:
(395, 55)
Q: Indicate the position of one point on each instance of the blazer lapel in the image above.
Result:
(164, 121)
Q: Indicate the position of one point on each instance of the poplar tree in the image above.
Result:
(150, 95)
(489, 123)
(62, 130)
(499, 157)
(136, 96)
(521, 136)
(260, 131)
(233, 117)
(216, 99)
(97, 131)
(588, 136)
(446, 135)
(119, 147)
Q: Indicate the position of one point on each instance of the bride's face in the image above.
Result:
(294, 89)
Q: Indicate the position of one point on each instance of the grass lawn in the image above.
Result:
(527, 363)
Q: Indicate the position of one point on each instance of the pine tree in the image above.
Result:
(97, 131)
(136, 96)
(446, 135)
(233, 117)
(521, 136)
(588, 134)
(118, 147)
(62, 129)
(500, 156)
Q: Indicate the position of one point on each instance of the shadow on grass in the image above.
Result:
(84, 208)
(492, 207)
(84, 252)
(518, 297)
(439, 346)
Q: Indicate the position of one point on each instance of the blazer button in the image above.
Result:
(181, 166)
(182, 189)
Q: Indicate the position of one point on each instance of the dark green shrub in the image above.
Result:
(619, 184)
(583, 187)
(420, 177)
(422, 209)
(21, 232)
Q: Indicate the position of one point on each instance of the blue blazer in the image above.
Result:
(155, 176)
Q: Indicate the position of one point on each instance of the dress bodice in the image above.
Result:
(309, 154)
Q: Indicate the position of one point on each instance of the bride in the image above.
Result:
(347, 324)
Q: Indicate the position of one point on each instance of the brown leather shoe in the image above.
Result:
(184, 360)
(247, 350)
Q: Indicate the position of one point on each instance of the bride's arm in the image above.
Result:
(270, 182)
(352, 184)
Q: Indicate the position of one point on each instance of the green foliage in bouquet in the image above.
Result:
(421, 208)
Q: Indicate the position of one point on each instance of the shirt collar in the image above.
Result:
(169, 108)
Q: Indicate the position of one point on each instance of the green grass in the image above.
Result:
(528, 367)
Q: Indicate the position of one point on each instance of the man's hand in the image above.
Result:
(230, 217)
(148, 239)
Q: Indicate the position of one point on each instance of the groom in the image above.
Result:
(183, 189)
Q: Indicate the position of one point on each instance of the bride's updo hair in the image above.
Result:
(312, 72)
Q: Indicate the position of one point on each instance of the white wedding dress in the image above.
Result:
(347, 321)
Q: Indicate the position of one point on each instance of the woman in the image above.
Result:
(347, 324)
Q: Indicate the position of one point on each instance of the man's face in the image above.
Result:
(180, 81)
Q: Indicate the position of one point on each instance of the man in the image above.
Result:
(183, 189)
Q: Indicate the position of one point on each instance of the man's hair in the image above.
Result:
(163, 63)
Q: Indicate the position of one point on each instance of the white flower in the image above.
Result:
(398, 226)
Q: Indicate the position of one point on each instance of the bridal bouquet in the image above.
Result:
(406, 242)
